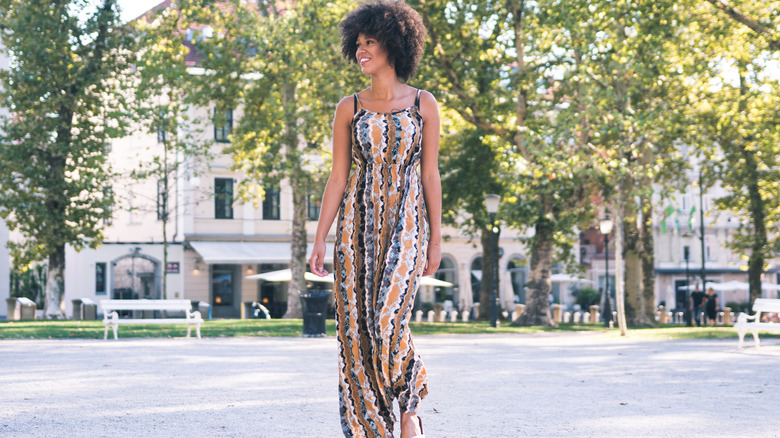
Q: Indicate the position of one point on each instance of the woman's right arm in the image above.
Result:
(337, 181)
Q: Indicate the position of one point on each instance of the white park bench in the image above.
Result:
(753, 323)
(112, 320)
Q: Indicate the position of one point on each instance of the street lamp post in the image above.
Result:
(605, 225)
(687, 255)
(491, 203)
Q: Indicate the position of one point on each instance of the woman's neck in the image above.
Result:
(385, 86)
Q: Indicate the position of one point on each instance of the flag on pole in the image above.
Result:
(667, 212)
(691, 218)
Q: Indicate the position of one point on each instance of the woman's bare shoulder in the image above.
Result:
(346, 107)
(428, 105)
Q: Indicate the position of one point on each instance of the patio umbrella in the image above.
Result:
(729, 285)
(286, 275)
(566, 278)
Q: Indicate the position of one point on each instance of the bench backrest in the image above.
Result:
(111, 305)
(771, 305)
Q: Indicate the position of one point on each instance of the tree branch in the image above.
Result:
(755, 26)
(106, 16)
(472, 111)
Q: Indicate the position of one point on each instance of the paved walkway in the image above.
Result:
(540, 385)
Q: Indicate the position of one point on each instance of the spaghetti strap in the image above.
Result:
(417, 99)
(355, 102)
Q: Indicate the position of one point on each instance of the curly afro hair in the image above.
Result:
(395, 25)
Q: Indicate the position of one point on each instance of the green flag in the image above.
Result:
(691, 218)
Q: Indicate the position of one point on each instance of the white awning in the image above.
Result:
(250, 252)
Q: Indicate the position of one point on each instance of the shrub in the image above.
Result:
(587, 296)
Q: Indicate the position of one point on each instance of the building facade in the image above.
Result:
(680, 249)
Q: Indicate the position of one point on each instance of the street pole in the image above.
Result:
(687, 254)
(606, 314)
(605, 226)
(491, 205)
(701, 231)
(494, 273)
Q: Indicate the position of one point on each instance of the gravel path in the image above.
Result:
(539, 385)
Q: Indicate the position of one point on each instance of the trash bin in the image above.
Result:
(27, 308)
(88, 309)
(205, 310)
(246, 310)
(78, 313)
(314, 305)
(14, 312)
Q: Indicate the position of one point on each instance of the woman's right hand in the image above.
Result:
(317, 259)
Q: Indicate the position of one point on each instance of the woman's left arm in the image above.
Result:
(431, 180)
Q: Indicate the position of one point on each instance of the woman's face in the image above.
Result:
(370, 55)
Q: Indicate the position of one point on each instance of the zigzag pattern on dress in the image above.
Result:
(381, 243)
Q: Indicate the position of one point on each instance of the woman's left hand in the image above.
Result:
(433, 259)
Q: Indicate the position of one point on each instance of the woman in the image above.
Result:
(390, 131)
(711, 307)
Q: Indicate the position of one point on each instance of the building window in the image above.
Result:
(271, 205)
(518, 273)
(313, 207)
(223, 198)
(686, 253)
(222, 285)
(447, 272)
(223, 126)
(100, 278)
(709, 247)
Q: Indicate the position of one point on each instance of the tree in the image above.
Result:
(163, 106)
(734, 101)
(631, 64)
(62, 93)
(471, 164)
(491, 59)
(766, 10)
(280, 62)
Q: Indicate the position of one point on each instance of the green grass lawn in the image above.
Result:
(293, 327)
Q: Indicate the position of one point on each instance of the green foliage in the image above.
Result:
(29, 283)
(62, 90)
(587, 296)
(735, 123)
(285, 72)
(739, 306)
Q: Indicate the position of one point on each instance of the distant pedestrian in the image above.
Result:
(711, 307)
(697, 300)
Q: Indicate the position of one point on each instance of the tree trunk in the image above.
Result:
(633, 261)
(300, 191)
(164, 217)
(537, 306)
(620, 292)
(489, 244)
(55, 284)
(756, 202)
(298, 244)
(648, 263)
(759, 245)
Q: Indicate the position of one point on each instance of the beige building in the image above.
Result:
(215, 242)
(679, 252)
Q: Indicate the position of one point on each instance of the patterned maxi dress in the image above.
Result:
(380, 251)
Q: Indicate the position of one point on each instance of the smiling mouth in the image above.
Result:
(362, 61)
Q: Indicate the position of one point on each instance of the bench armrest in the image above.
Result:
(744, 317)
(110, 317)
